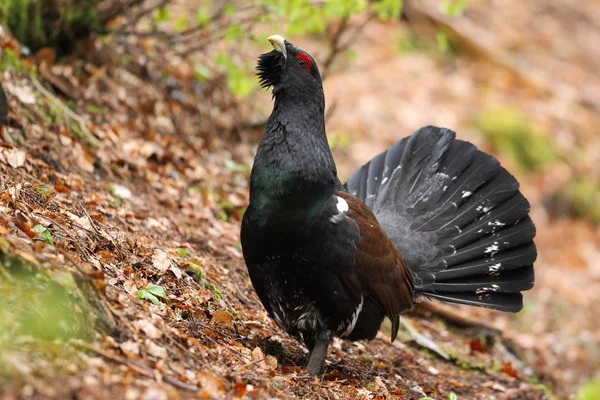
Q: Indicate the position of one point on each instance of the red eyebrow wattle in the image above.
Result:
(306, 59)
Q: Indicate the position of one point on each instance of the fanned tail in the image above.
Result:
(456, 216)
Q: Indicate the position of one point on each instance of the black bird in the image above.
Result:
(430, 217)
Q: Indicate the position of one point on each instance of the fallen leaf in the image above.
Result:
(47, 55)
(476, 346)
(176, 271)
(155, 393)
(222, 318)
(13, 157)
(161, 260)
(84, 222)
(148, 328)
(151, 293)
(239, 389)
(131, 349)
(121, 191)
(508, 369)
(156, 350)
(23, 93)
(271, 362)
(257, 354)
(211, 384)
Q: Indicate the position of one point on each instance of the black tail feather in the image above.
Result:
(456, 216)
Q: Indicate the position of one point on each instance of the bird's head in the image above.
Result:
(289, 70)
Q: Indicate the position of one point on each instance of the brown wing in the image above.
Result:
(379, 265)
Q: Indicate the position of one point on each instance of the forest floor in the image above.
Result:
(121, 270)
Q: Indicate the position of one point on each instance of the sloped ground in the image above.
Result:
(115, 197)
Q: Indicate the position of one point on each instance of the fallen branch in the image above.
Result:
(454, 317)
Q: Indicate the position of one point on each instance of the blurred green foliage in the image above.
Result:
(589, 391)
(530, 148)
(39, 23)
(582, 197)
(285, 17)
(39, 313)
(516, 135)
(453, 8)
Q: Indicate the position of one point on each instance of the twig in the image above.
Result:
(65, 109)
(136, 366)
(134, 20)
(422, 340)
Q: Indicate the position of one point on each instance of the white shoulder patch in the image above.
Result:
(342, 205)
(342, 208)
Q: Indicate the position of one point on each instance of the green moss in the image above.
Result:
(38, 23)
(39, 313)
(513, 133)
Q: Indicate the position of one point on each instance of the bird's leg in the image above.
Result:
(317, 355)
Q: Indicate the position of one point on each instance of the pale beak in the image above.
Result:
(278, 43)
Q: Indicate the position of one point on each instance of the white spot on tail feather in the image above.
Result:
(466, 193)
(494, 269)
(496, 223)
(492, 249)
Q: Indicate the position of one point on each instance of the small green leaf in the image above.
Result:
(452, 396)
(151, 293)
(44, 233)
(144, 295)
(156, 290)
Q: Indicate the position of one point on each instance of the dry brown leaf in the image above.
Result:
(508, 369)
(176, 271)
(13, 157)
(23, 93)
(271, 362)
(211, 384)
(84, 161)
(155, 393)
(222, 318)
(47, 55)
(257, 354)
(161, 260)
(131, 349)
(156, 350)
(148, 328)
(130, 287)
(121, 191)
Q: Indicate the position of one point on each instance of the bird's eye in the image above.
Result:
(303, 61)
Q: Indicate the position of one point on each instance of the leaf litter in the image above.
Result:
(130, 189)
